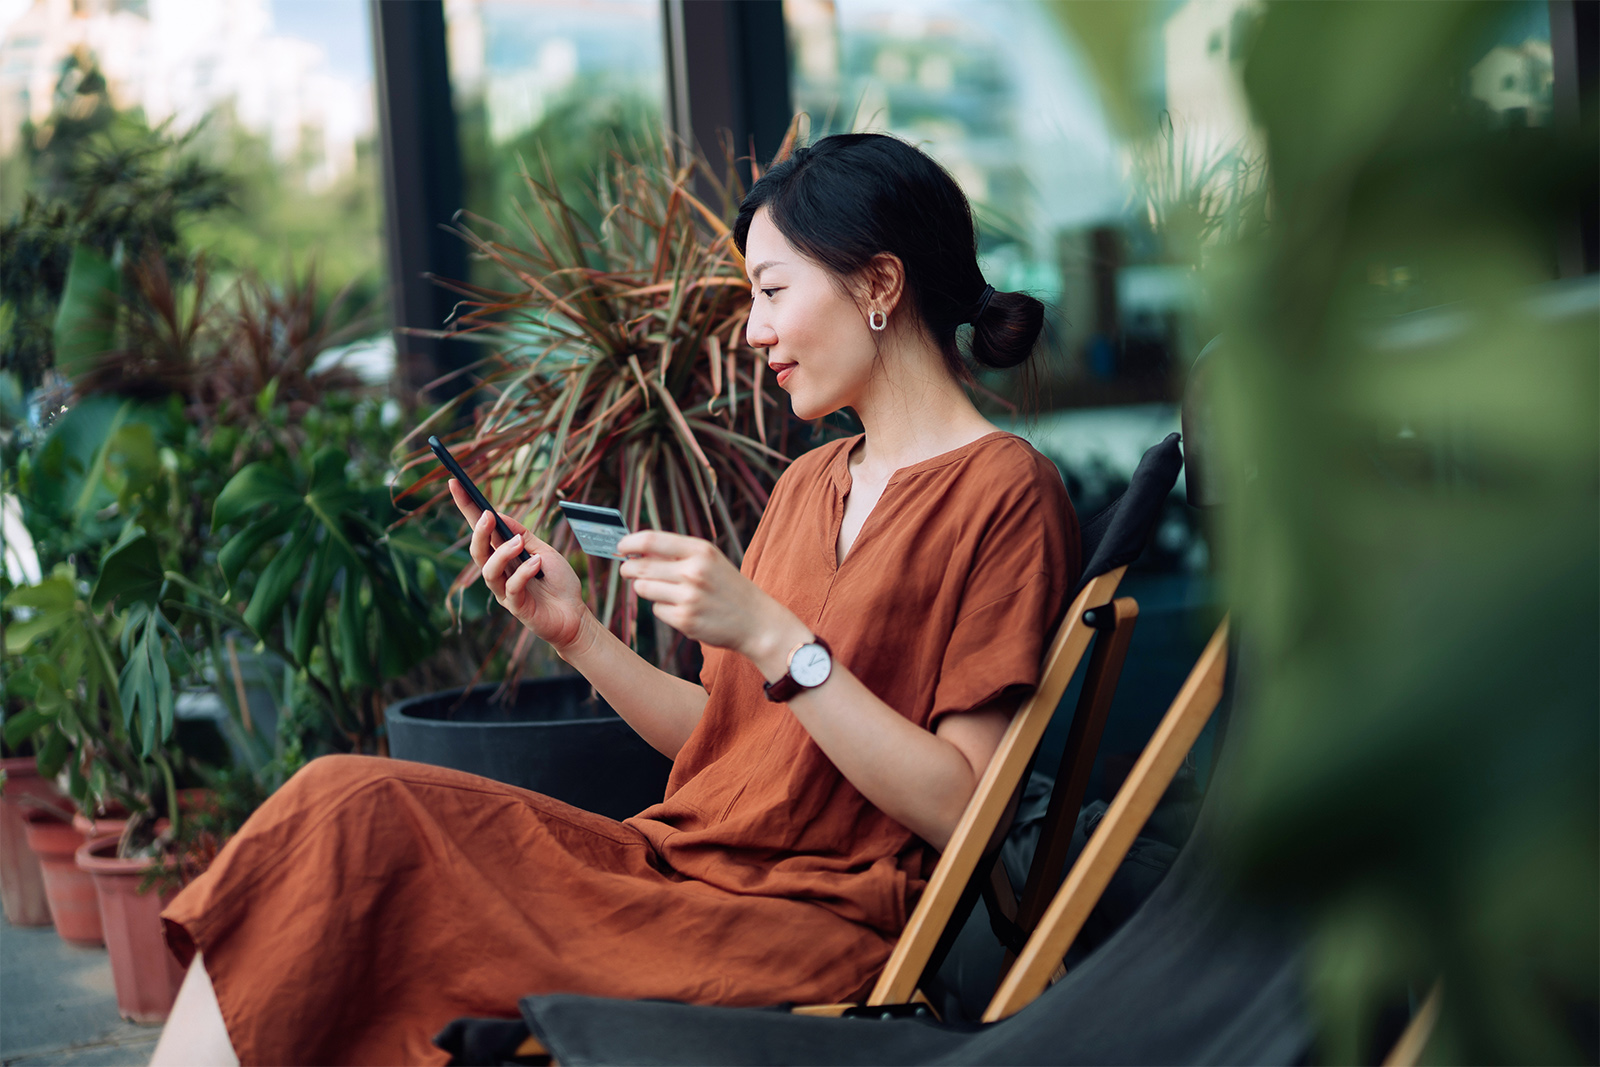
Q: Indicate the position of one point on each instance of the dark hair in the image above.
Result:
(853, 196)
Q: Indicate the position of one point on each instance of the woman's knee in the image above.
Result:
(337, 773)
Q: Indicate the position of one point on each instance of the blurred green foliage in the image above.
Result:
(1406, 400)
(95, 177)
(162, 564)
(581, 130)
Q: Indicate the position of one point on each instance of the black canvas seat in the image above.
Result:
(1192, 978)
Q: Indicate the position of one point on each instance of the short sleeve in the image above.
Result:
(1015, 596)
(997, 646)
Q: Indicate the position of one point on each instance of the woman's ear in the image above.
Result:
(883, 281)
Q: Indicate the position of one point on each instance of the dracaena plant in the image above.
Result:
(619, 373)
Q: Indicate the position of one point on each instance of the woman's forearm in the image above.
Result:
(917, 778)
(663, 709)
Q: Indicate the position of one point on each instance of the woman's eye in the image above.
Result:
(768, 293)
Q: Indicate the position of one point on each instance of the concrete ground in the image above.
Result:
(58, 1008)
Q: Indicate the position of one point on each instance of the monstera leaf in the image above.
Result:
(327, 544)
(131, 572)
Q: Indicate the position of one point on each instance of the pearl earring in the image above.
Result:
(877, 319)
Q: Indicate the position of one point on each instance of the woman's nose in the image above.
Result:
(758, 332)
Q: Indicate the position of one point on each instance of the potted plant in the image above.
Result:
(136, 877)
(619, 376)
(21, 878)
(71, 664)
(145, 974)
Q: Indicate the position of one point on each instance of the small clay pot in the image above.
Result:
(143, 969)
(113, 822)
(74, 907)
(21, 879)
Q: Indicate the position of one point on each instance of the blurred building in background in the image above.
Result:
(184, 60)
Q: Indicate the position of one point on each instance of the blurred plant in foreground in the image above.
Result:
(1411, 531)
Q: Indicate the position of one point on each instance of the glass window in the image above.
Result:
(999, 96)
(561, 82)
(273, 97)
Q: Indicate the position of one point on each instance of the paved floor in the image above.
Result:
(57, 1007)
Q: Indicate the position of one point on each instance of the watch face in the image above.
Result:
(810, 665)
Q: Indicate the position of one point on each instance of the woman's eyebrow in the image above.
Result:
(755, 273)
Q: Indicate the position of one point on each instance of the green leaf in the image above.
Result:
(279, 579)
(86, 322)
(243, 546)
(353, 633)
(255, 485)
(147, 681)
(130, 572)
(132, 460)
(265, 398)
(404, 635)
(20, 635)
(53, 755)
(314, 604)
(53, 595)
(327, 469)
(24, 725)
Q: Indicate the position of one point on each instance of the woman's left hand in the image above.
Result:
(697, 590)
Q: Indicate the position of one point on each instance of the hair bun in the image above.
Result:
(1006, 332)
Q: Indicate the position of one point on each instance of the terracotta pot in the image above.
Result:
(21, 880)
(144, 971)
(113, 822)
(73, 906)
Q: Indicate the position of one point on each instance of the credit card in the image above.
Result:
(597, 529)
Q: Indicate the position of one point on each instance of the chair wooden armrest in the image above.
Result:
(991, 798)
(1041, 958)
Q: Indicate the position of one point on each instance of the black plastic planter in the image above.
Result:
(554, 737)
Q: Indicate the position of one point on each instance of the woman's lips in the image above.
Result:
(782, 370)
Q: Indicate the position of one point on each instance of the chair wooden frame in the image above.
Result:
(991, 800)
(1040, 960)
(1116, 624)
(1039, 963)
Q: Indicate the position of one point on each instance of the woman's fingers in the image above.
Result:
(480, 546)
(515, 526)
(525, 573)
(464, 504)
(662, 592)
(500, 560)
(655, 543)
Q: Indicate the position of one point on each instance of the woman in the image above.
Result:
(890, 615)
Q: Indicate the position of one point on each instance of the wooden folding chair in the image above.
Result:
(1040, 961)
(1112, 539)
(975, 836)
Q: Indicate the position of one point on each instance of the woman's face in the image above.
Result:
(817, 339)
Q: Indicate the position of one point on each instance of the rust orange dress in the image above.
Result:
(371, 901)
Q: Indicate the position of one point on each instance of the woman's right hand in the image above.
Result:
(553, 608)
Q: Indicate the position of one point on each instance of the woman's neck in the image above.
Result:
(913, 409)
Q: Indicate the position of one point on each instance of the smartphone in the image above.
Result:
(597, 529)
(477, 497)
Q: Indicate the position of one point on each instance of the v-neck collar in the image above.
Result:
(843, 480)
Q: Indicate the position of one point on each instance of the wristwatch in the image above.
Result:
(809, 666)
